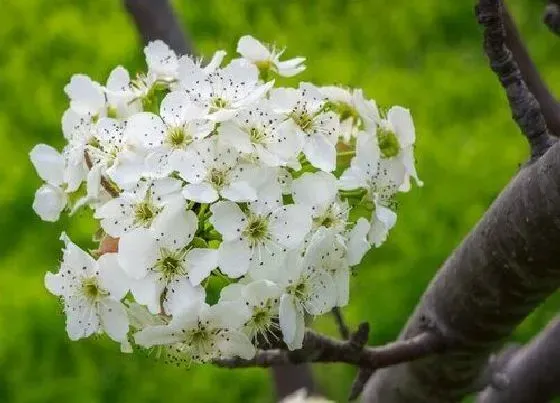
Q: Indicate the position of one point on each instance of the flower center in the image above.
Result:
(170, 264)
(144, 213)
(218, 177)
(91, 289)
(177, 138)
(388, 143)
(256, 230)
(298, 290)
(218, 103)
(257, 136)
(303, 120)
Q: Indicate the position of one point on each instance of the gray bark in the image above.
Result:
(532, 374)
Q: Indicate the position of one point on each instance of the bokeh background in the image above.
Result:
(425, 55)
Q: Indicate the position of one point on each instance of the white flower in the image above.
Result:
(161, 60)
(320, 130)
(50, 199)
(268, 59)
(262, 298)
(163, 263)
(166, 137)
(201, 333)
(263, 134)
(123, 100)
(357, 241)
(355, 111)
(259, 238)
(396, 137)
(319, 191)
(86, 96)
(212, 169)
(138, 207)
(306, 288)
(91, 291)
(226, 90)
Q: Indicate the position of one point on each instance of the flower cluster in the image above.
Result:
(237, 209)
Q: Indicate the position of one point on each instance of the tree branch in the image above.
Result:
(551, 16)
(323, 349)
(155, 20)
(501, 271)
(550, 107)
(340, 323)
(532, 373)
(524, 107)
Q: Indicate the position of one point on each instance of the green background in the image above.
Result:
(425, 55)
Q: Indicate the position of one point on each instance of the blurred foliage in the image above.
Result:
(424, 55)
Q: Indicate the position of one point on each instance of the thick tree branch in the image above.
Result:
(155, 20)
(551, 16)
(524, 107)
(532, 374)
(550, 107)
(502, 270)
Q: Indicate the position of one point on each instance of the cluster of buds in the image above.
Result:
(237, 209)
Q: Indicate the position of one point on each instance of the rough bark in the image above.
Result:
(503, 269)
(549, 104)
(532, 374)
(155, 20)
(551, 16)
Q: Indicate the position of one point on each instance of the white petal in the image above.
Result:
(76, 259)
(291, 224)
(239, 192)
(291, 322)
(358, 244)
(232, 292)
(215, 62)
(233, 258)
(147, 291)
(137, 252)
(86, 96)
(341, 280)
(112, 277)
(145, 129)
(174, 227)
(383, 219)
(200, 192)
(81, 318)
(228, 219)
(48, 163)
(49, 202)
(251, 49)
(56, 283)
(181, 294)
(317, 190)
(236, 344)
(292, 67)
(177, 108)
(200, 264)
(352, 178)
(320, 152)
(401, 120)
(232, 135)
(160, 59)
(261, 291)
(114, 319)
(228, 314)
(157, 335)
(324, 294)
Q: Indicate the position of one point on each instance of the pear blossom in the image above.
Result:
(91, 291)
(268, 59)
(50, 198)
(319, 129)
(138, 207)
(212, 170)
(226, 90)
(201, 333)
(258, 237)
(261, 297)
(168, 265)
(208, 182)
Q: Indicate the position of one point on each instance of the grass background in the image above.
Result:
(425, 55)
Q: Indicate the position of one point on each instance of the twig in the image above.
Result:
(108, 186)
(550, 107)
(551, 16)
(340, 323)
(524, 107)
(155, 20)
(323, 349)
